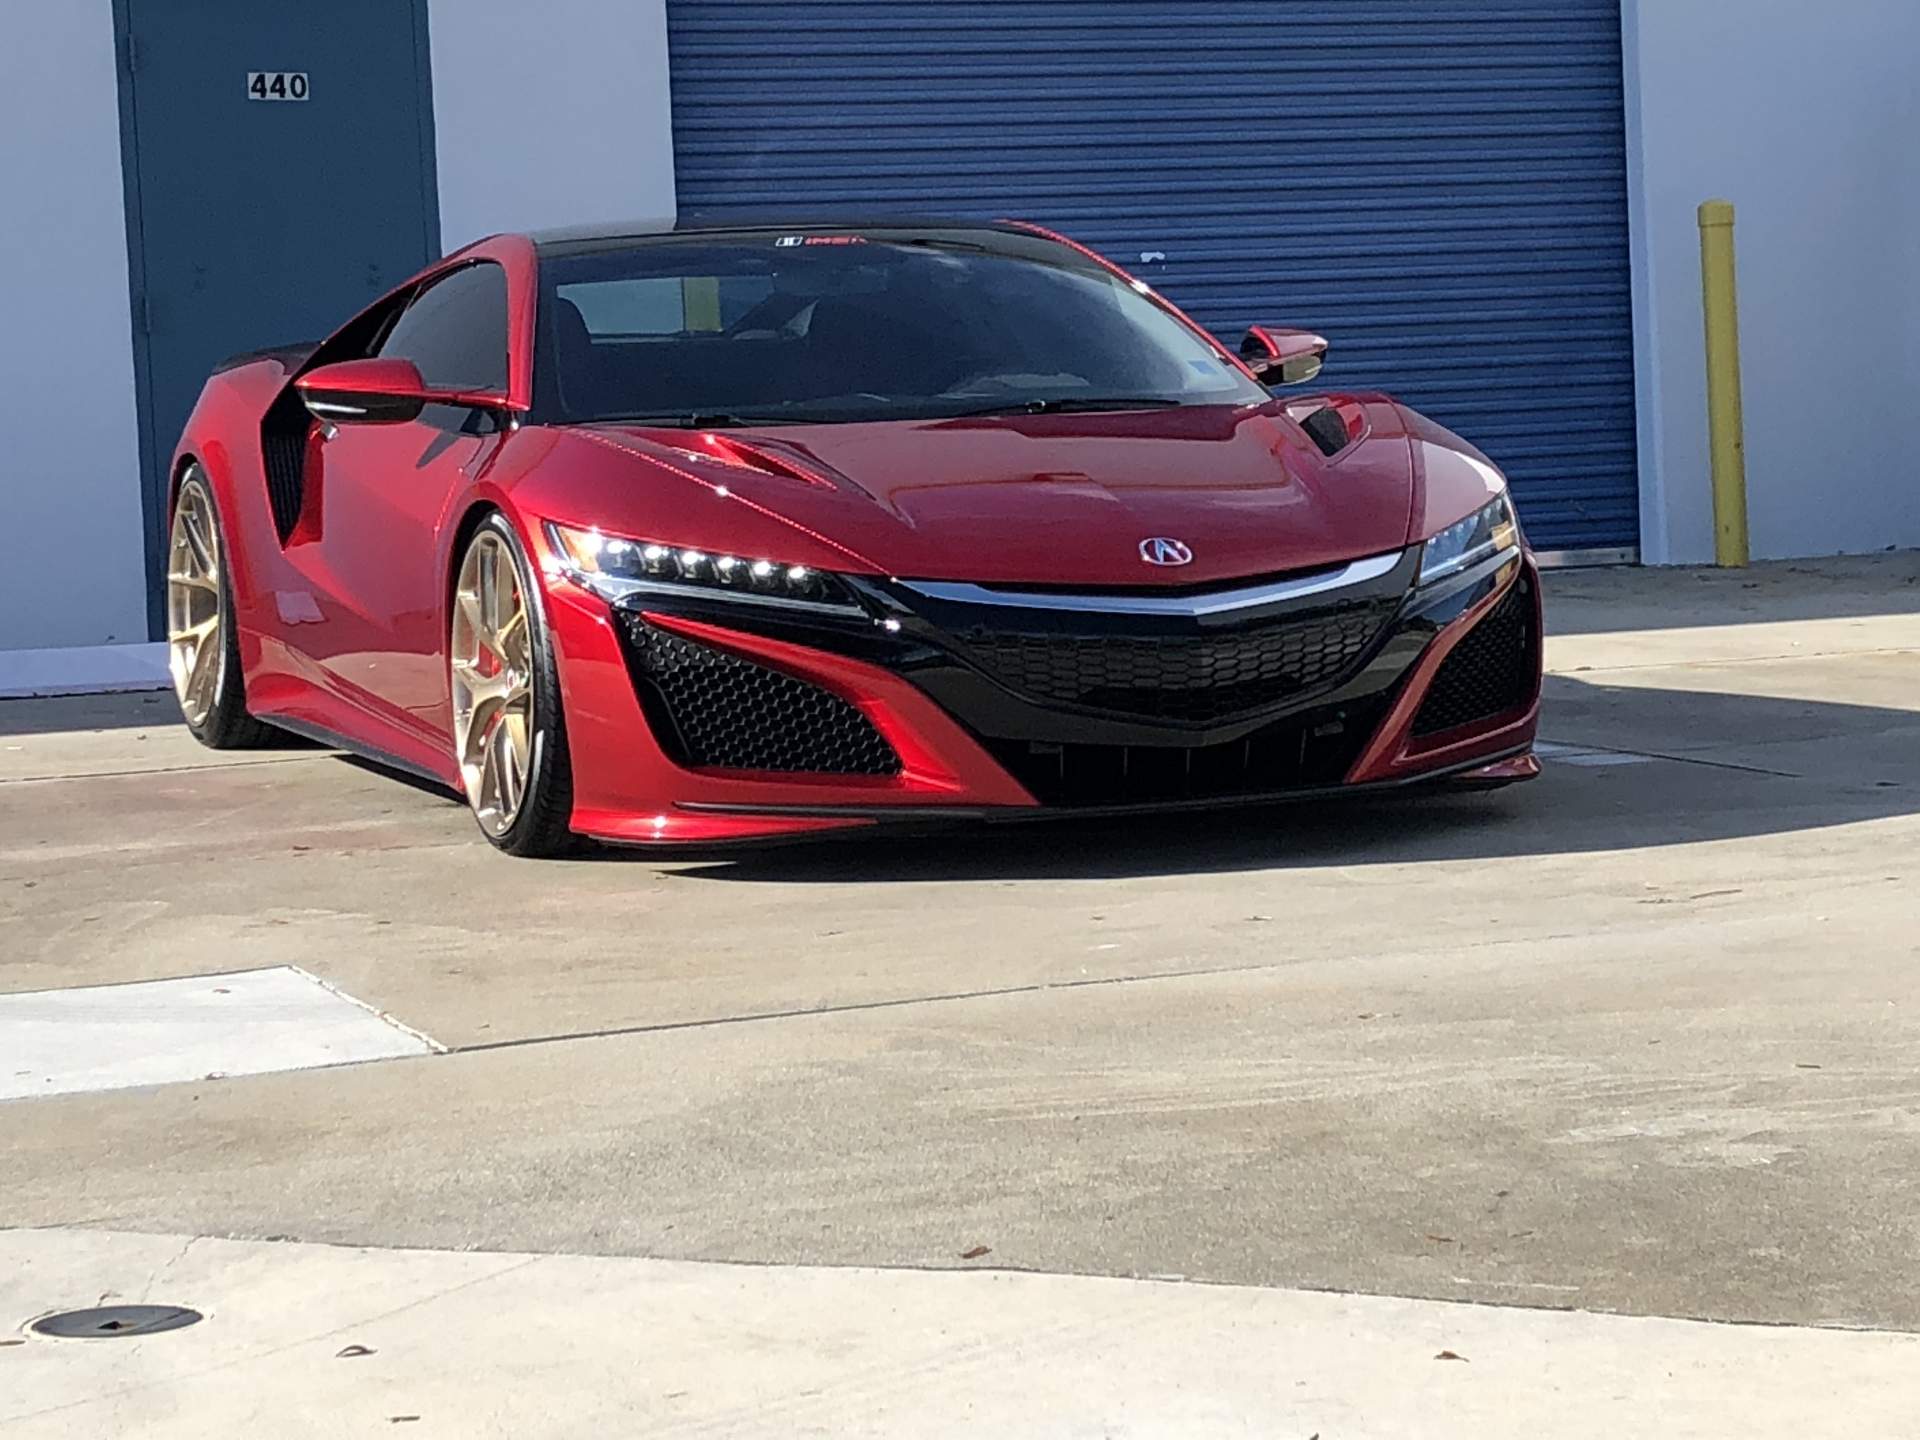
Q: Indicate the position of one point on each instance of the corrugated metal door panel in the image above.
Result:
(1437, 185)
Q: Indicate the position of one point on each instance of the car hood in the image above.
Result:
(1064, 499)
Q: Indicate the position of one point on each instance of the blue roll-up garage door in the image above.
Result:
(1437, 185)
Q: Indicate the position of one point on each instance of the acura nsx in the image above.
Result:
(737, 531)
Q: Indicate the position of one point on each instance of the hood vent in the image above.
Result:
(1327, 429)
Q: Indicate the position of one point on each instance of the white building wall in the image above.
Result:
(550, 114)
(1805, 116)
(70, 467)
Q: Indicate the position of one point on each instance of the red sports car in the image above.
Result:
(741, 531)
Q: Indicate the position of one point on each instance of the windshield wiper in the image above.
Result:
(1072, 404)
(728, 419)
(704, 420)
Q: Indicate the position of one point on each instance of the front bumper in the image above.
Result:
(702, 720)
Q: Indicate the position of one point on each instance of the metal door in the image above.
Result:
(279, 175)
(1439, 186)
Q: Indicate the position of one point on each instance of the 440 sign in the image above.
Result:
(277, 85)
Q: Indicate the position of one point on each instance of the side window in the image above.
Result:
(455, 330)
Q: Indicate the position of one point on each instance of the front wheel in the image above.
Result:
(203, 646)
(509, 734)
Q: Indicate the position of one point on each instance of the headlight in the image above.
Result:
(614, 568)
(1487, 531)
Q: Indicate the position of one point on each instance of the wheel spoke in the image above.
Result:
(196, 647)
(206, 670)
(510, 610)
(484, 692)
(489, 797)
(475, 622)
(510, 640)
(508, 765)
(197, 542)
(490, 590)
(483, 710)
(490, 643)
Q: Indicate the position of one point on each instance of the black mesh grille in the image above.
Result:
(1490, 672)
(1199, 679)
(710, 708)
(1297, 754)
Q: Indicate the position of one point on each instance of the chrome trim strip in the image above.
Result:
(1426, 596)
(618, 589)
(1467, 559)
(1581, 559)
(1219, 602)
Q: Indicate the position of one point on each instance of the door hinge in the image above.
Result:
(133, 62)
(146, 315)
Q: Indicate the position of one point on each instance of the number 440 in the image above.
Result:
(276, 85)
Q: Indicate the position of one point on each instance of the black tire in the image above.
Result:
(540, 827)
(226, 723)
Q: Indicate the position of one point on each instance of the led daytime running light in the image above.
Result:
(615, 568)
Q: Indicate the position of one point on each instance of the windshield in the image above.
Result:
(816, 327)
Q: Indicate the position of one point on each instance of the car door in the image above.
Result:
(384, 492)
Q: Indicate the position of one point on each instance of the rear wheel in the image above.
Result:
(203, 647)
(509, 736)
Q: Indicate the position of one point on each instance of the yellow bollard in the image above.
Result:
(1725, 429)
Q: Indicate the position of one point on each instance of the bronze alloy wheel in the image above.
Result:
(196, 642)
(493, 690)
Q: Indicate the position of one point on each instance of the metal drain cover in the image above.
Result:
(108, 1322)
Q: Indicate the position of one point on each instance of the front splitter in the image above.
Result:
(1481, 772)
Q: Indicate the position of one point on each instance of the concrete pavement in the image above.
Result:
(1640, 1037)
(309, 1341)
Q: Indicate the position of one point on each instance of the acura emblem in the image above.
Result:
(1164, 550)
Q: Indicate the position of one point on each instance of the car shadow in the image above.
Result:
(411, 779)
(1836, 764)
(1686, 767)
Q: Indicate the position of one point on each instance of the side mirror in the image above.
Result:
(1283, 357)
(377, 392)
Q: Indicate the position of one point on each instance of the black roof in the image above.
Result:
(571, 238)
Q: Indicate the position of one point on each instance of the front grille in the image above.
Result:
(709, 708)
(1197, 679)
(1300, 753)
(1491, 670)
